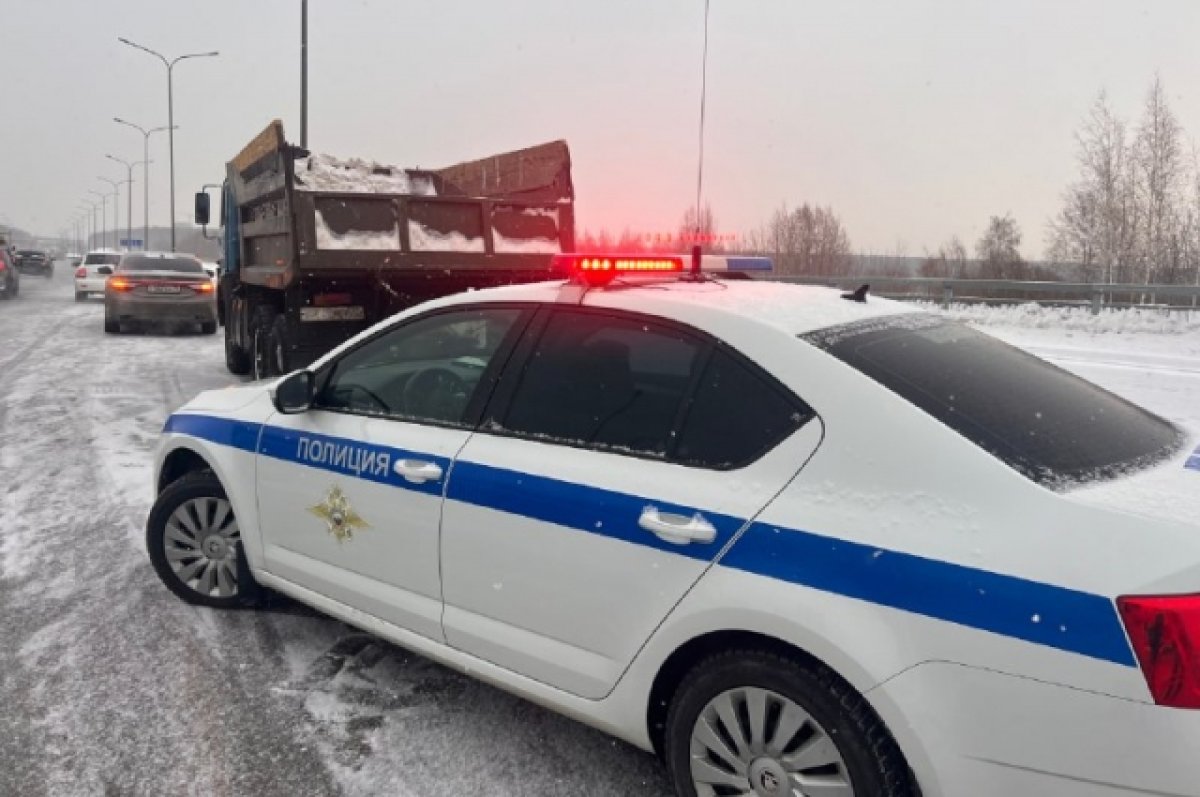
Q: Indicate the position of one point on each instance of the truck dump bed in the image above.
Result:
(499, 218)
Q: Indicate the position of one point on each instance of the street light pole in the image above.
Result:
(103, 217)
(145, 174)
(128, 196)
(116, 209)
(170, 65)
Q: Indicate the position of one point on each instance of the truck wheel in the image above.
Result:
(277, 347)
(236, 358)
(260, 330)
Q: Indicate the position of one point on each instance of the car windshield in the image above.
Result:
(1050, 425)
(102, 259)
(185, 265)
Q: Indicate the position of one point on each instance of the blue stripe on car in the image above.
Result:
(575, 506)
(1193, 461)
(1077, 622)
(1033, 611)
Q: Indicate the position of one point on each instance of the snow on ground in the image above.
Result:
(109, 685)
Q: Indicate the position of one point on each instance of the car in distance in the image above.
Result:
(94, 271)
(159, 287)
(10, 278)
(791, 543)
(35, 261)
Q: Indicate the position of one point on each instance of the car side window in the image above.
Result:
(604, 381)
(737, 415)
(426, 370)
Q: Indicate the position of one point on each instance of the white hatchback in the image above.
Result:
(93, 272)
(793, 544)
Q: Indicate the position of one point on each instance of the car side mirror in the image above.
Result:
(105, 270)
(202, 208)
(294, 394)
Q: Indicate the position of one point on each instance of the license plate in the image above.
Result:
(162, 289)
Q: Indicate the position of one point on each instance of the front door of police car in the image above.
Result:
(350, 492)
(617, 462)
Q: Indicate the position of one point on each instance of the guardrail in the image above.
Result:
(976, 291)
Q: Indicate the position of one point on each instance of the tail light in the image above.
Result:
(119, 284)
(1165, 632)
(332, 299)
(80, 272)
(203, 287)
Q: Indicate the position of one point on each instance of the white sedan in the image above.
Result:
(92, 274)
(791, 543)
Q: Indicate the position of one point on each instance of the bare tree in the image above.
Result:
(699, 228)
(806, 240)
(1097, 229)
(999, 250)
(949, 261)
(1158, 155)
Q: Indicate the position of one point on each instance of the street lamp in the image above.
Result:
(103, 217)
(170, 65)
(89, 211)
(146, 174)
(129, 196)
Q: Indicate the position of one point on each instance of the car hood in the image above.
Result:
(1169, 491)
(229, 399)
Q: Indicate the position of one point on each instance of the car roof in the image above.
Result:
(794, 309)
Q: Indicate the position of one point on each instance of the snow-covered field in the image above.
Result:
(109, 685)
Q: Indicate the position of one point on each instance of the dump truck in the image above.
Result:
(317, 249)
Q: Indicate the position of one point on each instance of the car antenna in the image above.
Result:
(859, 294)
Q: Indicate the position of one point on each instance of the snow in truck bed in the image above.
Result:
(327, 173)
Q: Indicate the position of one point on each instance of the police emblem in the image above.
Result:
(338, 515)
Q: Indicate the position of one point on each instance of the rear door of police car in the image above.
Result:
(350, 492)
(619, 455)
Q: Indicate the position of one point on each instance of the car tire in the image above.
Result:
(817, 701)
(277, 347)
(208, 327)
(191, 536)
(112, 326)
(80, 297)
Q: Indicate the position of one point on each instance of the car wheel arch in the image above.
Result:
(179, 463)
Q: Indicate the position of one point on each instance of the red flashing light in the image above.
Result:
(600, 269)
(332, 299)
(1165, 633)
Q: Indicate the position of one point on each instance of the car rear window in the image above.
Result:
(101, 259)
(1055, 428)
(182, 264)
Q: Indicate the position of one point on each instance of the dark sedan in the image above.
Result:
(159, 287)
(33, 261)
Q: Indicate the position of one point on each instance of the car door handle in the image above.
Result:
(418, 471)
(677, 529)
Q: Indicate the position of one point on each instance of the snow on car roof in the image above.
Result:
(795, 309)
(327, 173)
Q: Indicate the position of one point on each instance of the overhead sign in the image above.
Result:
(131, 243)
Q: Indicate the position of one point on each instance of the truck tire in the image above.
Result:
(236, 358)
(260, 330)
(277, 355)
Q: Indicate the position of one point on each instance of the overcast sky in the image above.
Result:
(914, 119)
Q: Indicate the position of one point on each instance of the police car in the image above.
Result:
(793, 541)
